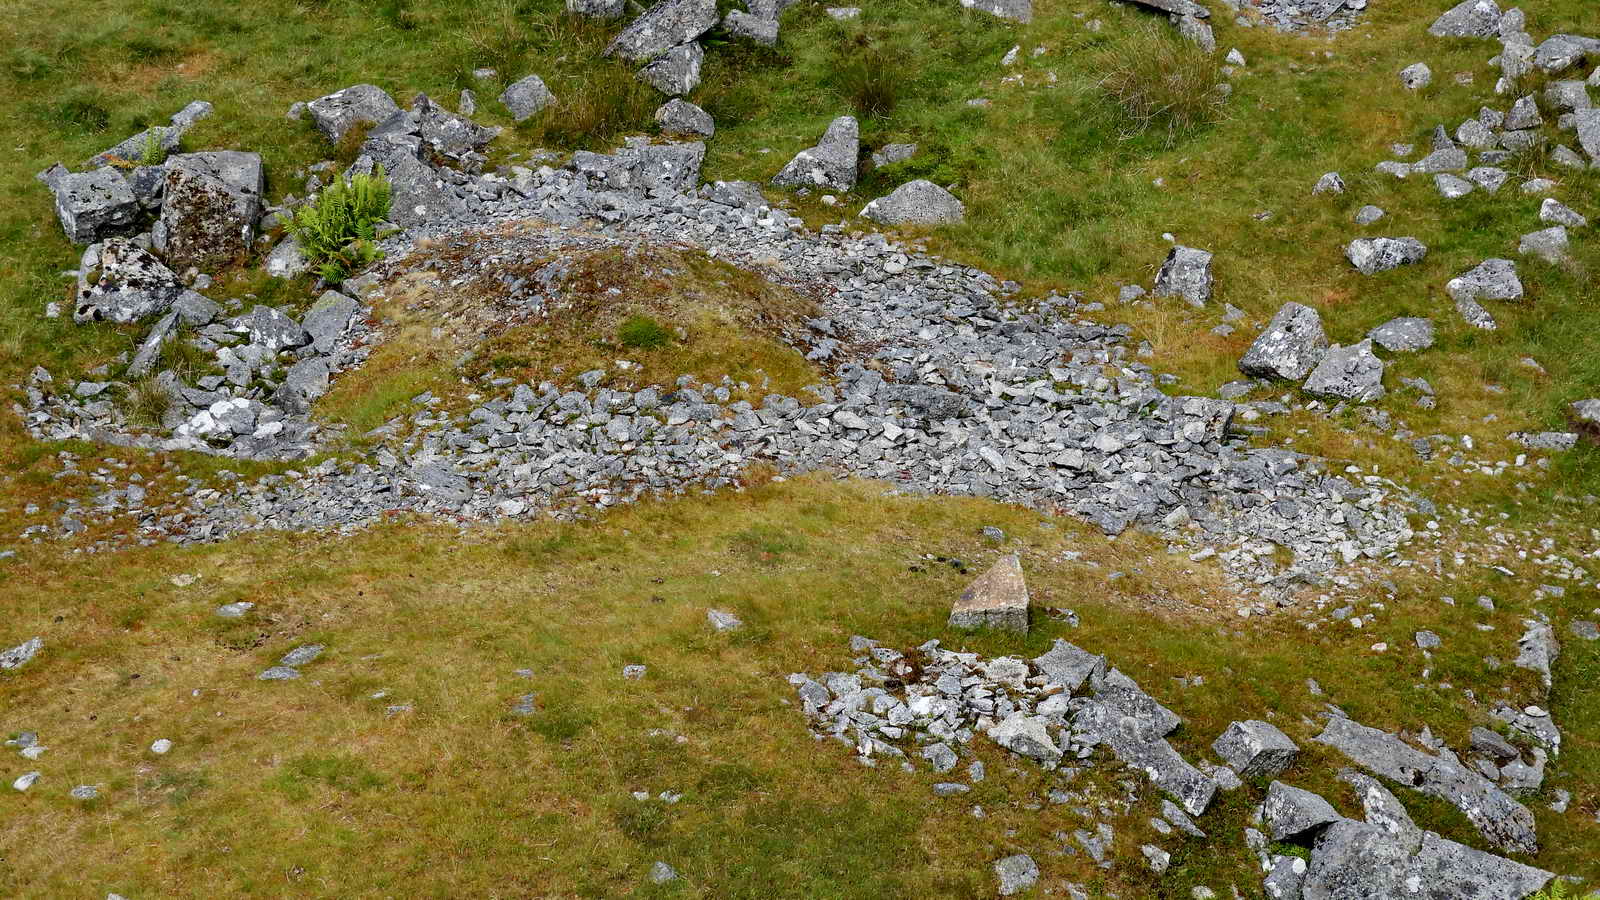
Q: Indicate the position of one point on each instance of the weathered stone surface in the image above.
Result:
(1070, 666)
(1287, 879)
(1176, 7)
(21, 654)
(830, 164)
(1256, 749)
(1586, 416)
(597, 9)
(676, 71)
(1446, 159)
(889, 154)
(1537, 649)
(1348, 373)
(1185, 273)
(919, 202)
(1472, 18)
(526, 98)
(325, 323)
(1405, 334)
(1549, 244)
(1289, 812)
(212, 205)
(997, 599)
(1289, 348)
(678, 116)
(1451, 187)
(279, 673)
(1016, 874)
(723, 621)
(1587, 124)
(1416, 76)
(668, 24)
(1492, 279)
(1027, 736)
(1560, 52)
(1373, 255)
(149, 352)
(446, 133)
(1368, 214)
(1555, 212)
(121, 282)
(94, 205)
(1193, 29)
(1502, 820)
(1014, 10)
(287, 259)
(362, 104)
(751, 27)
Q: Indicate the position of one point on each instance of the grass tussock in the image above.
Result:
(870, 72)
(1158, 82)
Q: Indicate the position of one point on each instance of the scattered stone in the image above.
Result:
(723, 621)
(21, 654)
(1558, 213)
(1256, 749)
(1416, 76)
(757, 29)
(161, 747)
(889, 154)
(597, 9)
(1368, 214)
(678, 116)
(1016, 874)
(661, 873)
(1373, 255)
(526, 98)
(84, 792)
(1290, 347)
(235, 610)
(1406, 334)
(677, 71)
(1537, 649)
(1450, 187)
(919, 202)
(1185, 273)
(1492, 279)
(1348, 373)
(997, 599)
(212, 205)
(830, 164)
(1289, 812)
(633, 672)
(363, 104)
(1472, 18)
(279, 673)
(94, 205)
(667, 25)
(25, 781)
(1549, 245)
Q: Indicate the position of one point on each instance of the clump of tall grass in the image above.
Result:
(1158, 82)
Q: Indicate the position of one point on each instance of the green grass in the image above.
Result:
(311, 787)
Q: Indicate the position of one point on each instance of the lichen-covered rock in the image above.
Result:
(1373, 255)
(339, 112)
(1405, 334)
(21, 654)
(1185, 273)
(1289, 348)
(1472, 18)
(1348, 373)
(832, 163)
(1014, 10)
(1256, 749)
(121, 282)
(678, 116)
(526, 98)
(668, 24)
(919, 202)
(1549, 244)
(212, 205)
(1492, 279)
(675, 72)
(754, 28)
(94, 205)
(1289, 812)
(597, 9)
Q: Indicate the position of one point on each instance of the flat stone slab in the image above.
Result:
(997, 599)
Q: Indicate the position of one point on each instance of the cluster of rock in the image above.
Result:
(1293, 347)
(665, 39)
(1291, 16)
(928, 706)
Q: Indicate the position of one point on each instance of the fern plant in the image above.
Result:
(339, 232)
(1558, 890)
(154, 151)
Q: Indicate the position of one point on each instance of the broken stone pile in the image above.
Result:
(927, 707)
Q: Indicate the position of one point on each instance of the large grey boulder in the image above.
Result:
(1185, 273)
(339, 112)
(1255, 749)
(1289, 812)
(675, 72)
(446, 132)
(668, 24)
(678, 116)
(1373, 255)
(1361, 860)
(919, 202)
(1176, 8)
(526, 97)
(212, 205)
(1289, 348)
(1503, 821)
(1473, 18)
(270, 329)
(1348, 373)
(21, 654)
(1560, 52)
(830, 164)
(671, 168)
(122, 282)
(996, 599)
(419, 195)
(1405, 334)
(94, 205)
(1014, 10)
(1492, 279)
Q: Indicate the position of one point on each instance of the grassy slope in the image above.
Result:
(457, 797)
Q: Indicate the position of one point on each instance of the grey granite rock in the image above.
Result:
(1256, 749)
(1373, 255)
(526, 98)
(94, 205)
(675, 72)
(919, 202)
(678, 116)
(668, 24)
(1185, 273)
(362, 104)
(1290, 347)
(829, 164)
(1405, 334)
(1348, 373)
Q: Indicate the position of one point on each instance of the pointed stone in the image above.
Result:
(997, 599)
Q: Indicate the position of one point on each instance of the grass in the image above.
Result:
(313, 787)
